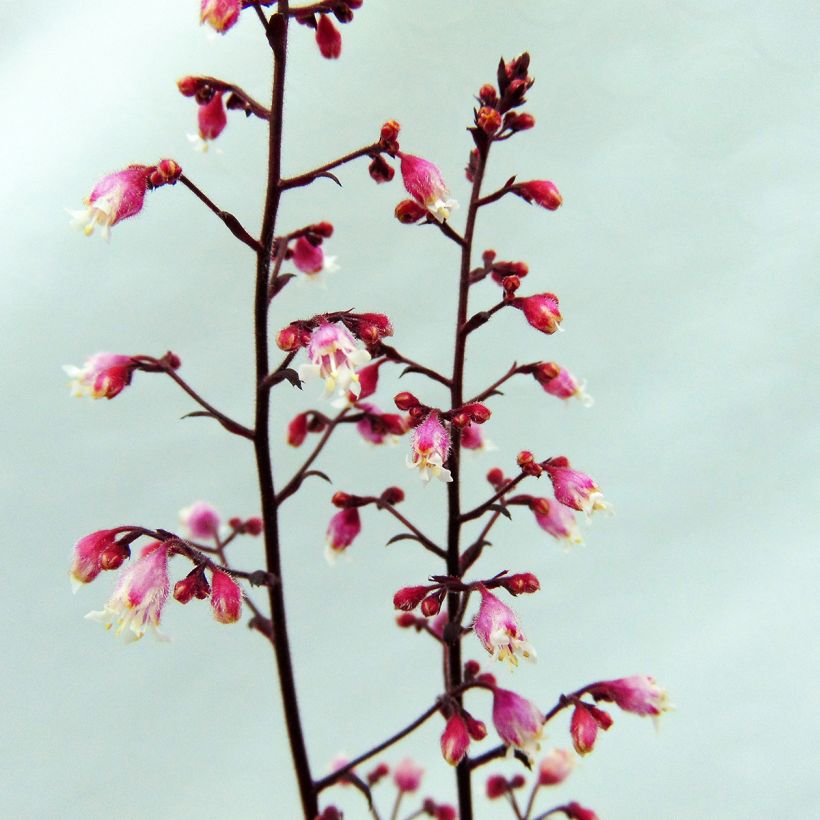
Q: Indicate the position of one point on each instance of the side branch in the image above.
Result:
(482, 508)
(323, 170)
(239, 99)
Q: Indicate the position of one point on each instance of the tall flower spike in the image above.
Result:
(140, 594)
(310, 259)
(114, 198)
(574, 488)
(226, 598)
(103, 376)
(431, 444)
(334, 357)
(519, 722)
(424, 183)
(220, 15)
(558, 520)
(496, 626)
(341, 532)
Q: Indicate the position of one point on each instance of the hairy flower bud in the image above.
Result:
(424, 183)
(226, 598)
(381, 170)
(165, 172)
(289, 338)
(541, 311)
(488, 120)
(540, 191)
(408, 212)
(193, 585)
(455, 740)
(431, 605)
(518, 122)
(476, 728)
(526, 461)
(297, 430)
(103, 376)
(408, 598)
(328, 38)
(488, 95)
(584, 725)
(521, 583)
(393, 495)
(406, 401)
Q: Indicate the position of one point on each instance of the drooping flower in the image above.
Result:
(212, 119)
(342, 531)
(103, 376)
(297, 430)
(310, 259)
(638, 694)
(556, 767)
(334, 357)
(407, 775)
(430, 446)
(226, 598)
(328, 38)
(455, 740)
(558, 520)
(377, 427)
(559, 382)
(424, 183)
(519, 722)
(140, 594)
(573, 488)
(473, 438)
(94, 553)
(200, 519)
(496, 626)
(220, 14)
(541, 311)
(114, 198)
(575, 811)
(584, 725)
(540, 191)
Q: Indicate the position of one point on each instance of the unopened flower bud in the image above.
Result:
(406, 401)
(526, 461)
(510, 284)
(488, 257)
(165, 172)
(541, 311)
(289, 338)
(380, 170)
(518, 781)
(328, 38)
(188, 86)
(496, 477)
(471, 669)
(488, 120)
(407, 775)
(330, 813)
(390, 131)
(460, 420)
(393, 495)
(226, 598)
(323, 229)
(343, 13)
(476, 728)
(455, 740)
(518, 122)
(584, 725)
(194, 585)
(406, 620)
(114, 555)
(254, 525)
(575, 811)
(408, 212)
(425, 184)
(521, 583)
(408, 598)
(298, 430)
(478, 413)
(342, 531)
(497, 786)
(472, 165)
(431, 605)
(555, 768)
(212, 118)
(381, 771)
(487, 94)
(540, 191)
(343, 500)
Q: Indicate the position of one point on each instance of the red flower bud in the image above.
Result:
(488, 257)
(406, 401)
(510, 284)
(519, 122)
(165, 172)
(390, 131)
(430, 605)
(253, 526)
(540, 191)
(522, 583)
(497, 786)
(488, 120)
(478, 413)
(328, 38)
(297, 430)
(471, 669)
(408, 598)
(408, 211)
(406, 620)
(113, 556)
(380, 170)
(487, 94)
(343, 500)
(541, 311)
(526, 461)
(289, 338)
(517, 781)
(188, 86)
(496, 477)
(381, 771)
(393, 495)
(193, 585)
(476, 728)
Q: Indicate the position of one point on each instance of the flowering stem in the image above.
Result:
(485, 394)
(482, 508)
(423, 539)
(531, 802)
(248, 103)
(394, 356)
(322, 170)
(232, 223)
(494, 197)
(395, 813)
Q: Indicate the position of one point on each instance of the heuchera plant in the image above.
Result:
(348, 351)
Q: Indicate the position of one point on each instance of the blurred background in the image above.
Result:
(683, 137)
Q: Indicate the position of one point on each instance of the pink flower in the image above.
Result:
(430, 446)
(140, 594)
(472, 438)
(496, 626)
(638, 694)
(425, 184)
(575, 811)
(455, 740)
(103, 376)
(407, 775)
(328, 38)
(555, 768)
(584, 725)
(342, 531)
(369, 380)
(226, 598)
(377, 427)
(541, 192)
(212, 120)
(298, 430)
(573, 488)
(220, 14)
(559, 382)
(201, 520)
(519, 722)
(114, 198)
(310, 259)
(334, 357)
(558, 520)
(93, 554)
(541, 311)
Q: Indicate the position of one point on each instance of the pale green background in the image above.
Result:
(683, 136)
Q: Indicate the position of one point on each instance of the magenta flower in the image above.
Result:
(638, 694)
(559, 382)
(558, 520)
(430, 446)
(575, 811)
(573, 488)
(342, 531)
(103, 376)
(140, 594)
(584, 725)
(226, 598)
(201, 520)
(377, 427)
(540, 191)
(93, 554)
(556, 767)
(220, 14)
(455, 740)
(407, 775)
(114, 198)
(541, 311)
(328, 38)
(425, 184)
(473, 438)
(496, 626)
(335, 358)
(310, 259)
(519, 722)
(211, 119)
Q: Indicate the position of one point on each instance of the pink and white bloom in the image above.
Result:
(220, 14)
(310, 259)
(212, 119)
(114, 198)
(573, 488)
(430, 447)
(455, 740)
(496, 626)
(201, 520)
(519, 722)
(94, 553)
(556, 767)
(226, 598)
(140, 594)
(558, 520)
(638, 694)
(559, 382)
(103, 376)
(335, 358)
(407, 775)
(342, 531)
(541, 311)
(424, 183)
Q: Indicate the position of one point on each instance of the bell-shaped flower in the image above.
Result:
(103, 376)
(141, 592)
(424, 183)
(94, 553)
(430, 447)
(212, 119)
(335, 358)
(310, 259)
(226, 598)
(584, 725)
(573, 488)
(556, 767)
(541, 311)
(496, 626)
(558, 520)
(559, 382)
(519, 722)
(638, 694)
(342, 531)
(114, 198)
